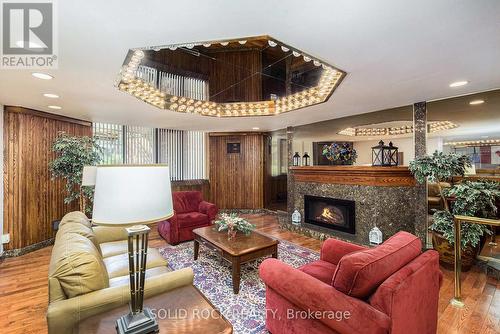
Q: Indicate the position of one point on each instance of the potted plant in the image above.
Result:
(469, 198)
(72, 154)
(340, 154)
(232, 223)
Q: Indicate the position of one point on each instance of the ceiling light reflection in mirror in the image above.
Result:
(251, 76)
(361, 131)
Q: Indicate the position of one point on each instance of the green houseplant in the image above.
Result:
(72, 154)
(470, 198)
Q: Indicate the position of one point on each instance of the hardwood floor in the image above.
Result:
(23, 290)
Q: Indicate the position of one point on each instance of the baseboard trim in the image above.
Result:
(249, 211)
(27, 249)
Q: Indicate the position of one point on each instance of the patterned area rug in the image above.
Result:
(246, 311)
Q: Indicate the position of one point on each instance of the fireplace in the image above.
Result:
(332, 213)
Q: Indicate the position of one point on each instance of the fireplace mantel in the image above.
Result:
(355, 175)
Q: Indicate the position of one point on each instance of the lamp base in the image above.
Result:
(139, 323)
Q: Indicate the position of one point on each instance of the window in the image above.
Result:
(110, 138)
(139, 145)
(182, 151)
(170, 151)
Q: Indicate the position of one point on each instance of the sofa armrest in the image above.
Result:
(109, 234)
(64, 315)
(333, 250)
(316, 296)
(209, 209)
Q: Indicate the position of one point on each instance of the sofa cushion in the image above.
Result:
(113, 248)
(77, 265)
(192, 219)
(117, 265)
(124, 280)
(186, 201)
(80, 229)
(359, 274)
(321, 270)
(75, 217)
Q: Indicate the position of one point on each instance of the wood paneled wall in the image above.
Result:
(193, 185)
(235, 76)
(31, 199)
(237, 179)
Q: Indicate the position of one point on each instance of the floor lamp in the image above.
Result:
(88, 180)
(133, 197)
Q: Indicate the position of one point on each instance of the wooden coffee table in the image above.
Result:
(241, 249)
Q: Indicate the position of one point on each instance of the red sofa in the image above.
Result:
(190, 212)
(393, 288)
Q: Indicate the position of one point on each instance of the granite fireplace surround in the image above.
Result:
(383, 196)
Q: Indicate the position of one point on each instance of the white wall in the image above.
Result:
(364, 149)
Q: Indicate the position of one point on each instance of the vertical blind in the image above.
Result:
(182, 151)
(170, 151)
(174, 84)
(139, 145)
(194, 155)
(110, 138)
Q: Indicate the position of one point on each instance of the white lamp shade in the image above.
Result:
(128, 195)
(88, 176)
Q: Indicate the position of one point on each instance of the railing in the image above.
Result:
(457, 298)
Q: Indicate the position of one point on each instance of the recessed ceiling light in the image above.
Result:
(458, 83)
(51, 96)
(255, 128)
(43, 76)
(474, 102)
(55, 107)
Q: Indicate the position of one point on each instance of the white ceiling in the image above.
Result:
(395, 53)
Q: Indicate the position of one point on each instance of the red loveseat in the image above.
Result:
(393, 288)
(190, 212)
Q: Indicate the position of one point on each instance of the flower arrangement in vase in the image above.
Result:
(341, 154)
(232, 223)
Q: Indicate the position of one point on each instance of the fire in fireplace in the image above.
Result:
(332, 213)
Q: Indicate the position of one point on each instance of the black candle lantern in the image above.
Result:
(305, 159)
(296, 159)
(384, 155)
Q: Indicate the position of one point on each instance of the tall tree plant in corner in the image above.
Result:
(470, 198)
(72, 154)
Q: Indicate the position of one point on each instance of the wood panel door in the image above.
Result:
(32, 200)
(237, 179)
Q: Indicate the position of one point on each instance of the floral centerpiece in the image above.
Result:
(342, 154)
(232, 223)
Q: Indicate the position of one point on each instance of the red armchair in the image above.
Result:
(190, 212)
(393, 288)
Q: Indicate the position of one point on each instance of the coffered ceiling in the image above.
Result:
(394, 53)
